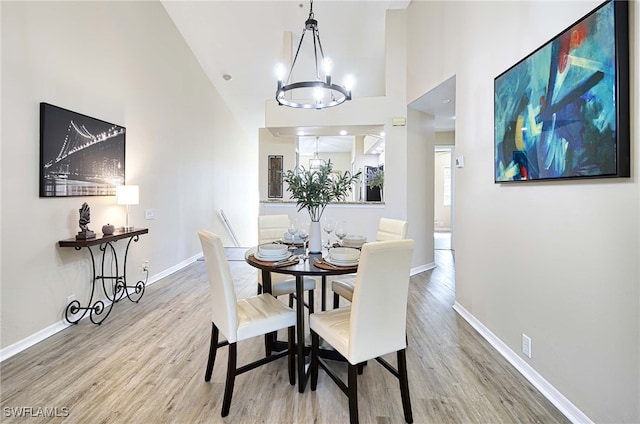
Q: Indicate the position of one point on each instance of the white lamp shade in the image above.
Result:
(127, 194)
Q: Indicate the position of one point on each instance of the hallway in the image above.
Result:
(442, 240)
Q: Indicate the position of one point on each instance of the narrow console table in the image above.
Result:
(120, 288)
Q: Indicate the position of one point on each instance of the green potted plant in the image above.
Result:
(313, 190)
(376, 179)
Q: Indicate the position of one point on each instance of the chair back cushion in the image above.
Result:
(224, 312)
(391, 229)
(379, 305)
(272, 227)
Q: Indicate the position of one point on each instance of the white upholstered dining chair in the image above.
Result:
(388, 229)
(373, 325)
(272, 228)
(240, 319)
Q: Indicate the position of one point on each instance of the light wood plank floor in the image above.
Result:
(146, 364)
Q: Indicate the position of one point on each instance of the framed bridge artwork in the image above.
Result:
(79, 155)
(563, 111)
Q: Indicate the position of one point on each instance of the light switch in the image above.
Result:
(460, 162)
(149, 213)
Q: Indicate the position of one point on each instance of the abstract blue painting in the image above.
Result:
(563, 111)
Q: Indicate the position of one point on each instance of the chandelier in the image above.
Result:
(315, 94)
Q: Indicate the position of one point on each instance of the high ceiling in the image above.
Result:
(244, 40)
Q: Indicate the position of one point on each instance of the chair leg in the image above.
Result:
(268, 343)
(259, 291)
(231, 378)
(336, 300)
(323, 303)
(292, 355)
(311, 302)
(291, 300)
(353, 393)
(213, 348)
(315, 342)
(404, 385)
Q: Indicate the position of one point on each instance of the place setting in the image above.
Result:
(344, 239)
(274, 254)
(339, 258)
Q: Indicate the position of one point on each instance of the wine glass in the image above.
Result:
(327, 226)
(293, 230)
(303, 233)
(341, 231)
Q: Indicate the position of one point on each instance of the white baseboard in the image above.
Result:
(563, 404)
(25, 343)
(422, 268)
(49, 331)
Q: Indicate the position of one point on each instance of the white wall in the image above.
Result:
(445, 138)
(557, 261)
(122, 62)
(420, 187)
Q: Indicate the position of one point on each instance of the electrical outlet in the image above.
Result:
(526, 345)
(149, 214)
(145, 266)
(71, 298)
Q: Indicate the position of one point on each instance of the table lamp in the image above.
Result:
(127, 195)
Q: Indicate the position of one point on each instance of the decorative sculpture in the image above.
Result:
(85, 218)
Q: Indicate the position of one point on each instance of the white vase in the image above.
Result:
(315, 237)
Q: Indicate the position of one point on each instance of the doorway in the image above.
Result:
(443, 197)
(440, 102)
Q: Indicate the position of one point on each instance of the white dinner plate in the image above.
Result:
(271, 258)
(272, 250)
(354, 241)
(337, 262)
(345, 254)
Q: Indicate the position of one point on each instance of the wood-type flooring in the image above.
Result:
(146, 364)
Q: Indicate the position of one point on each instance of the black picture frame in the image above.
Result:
(275, 190)
(562, 112)
(79, 155)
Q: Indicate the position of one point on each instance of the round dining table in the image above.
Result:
(313, 265)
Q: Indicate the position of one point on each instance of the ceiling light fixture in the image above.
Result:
(316, 94)
(316, 162)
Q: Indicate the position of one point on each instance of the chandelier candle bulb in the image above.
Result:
(349, 82)
(327, 68)
(281, 71)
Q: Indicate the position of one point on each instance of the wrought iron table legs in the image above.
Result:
(98, 310)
